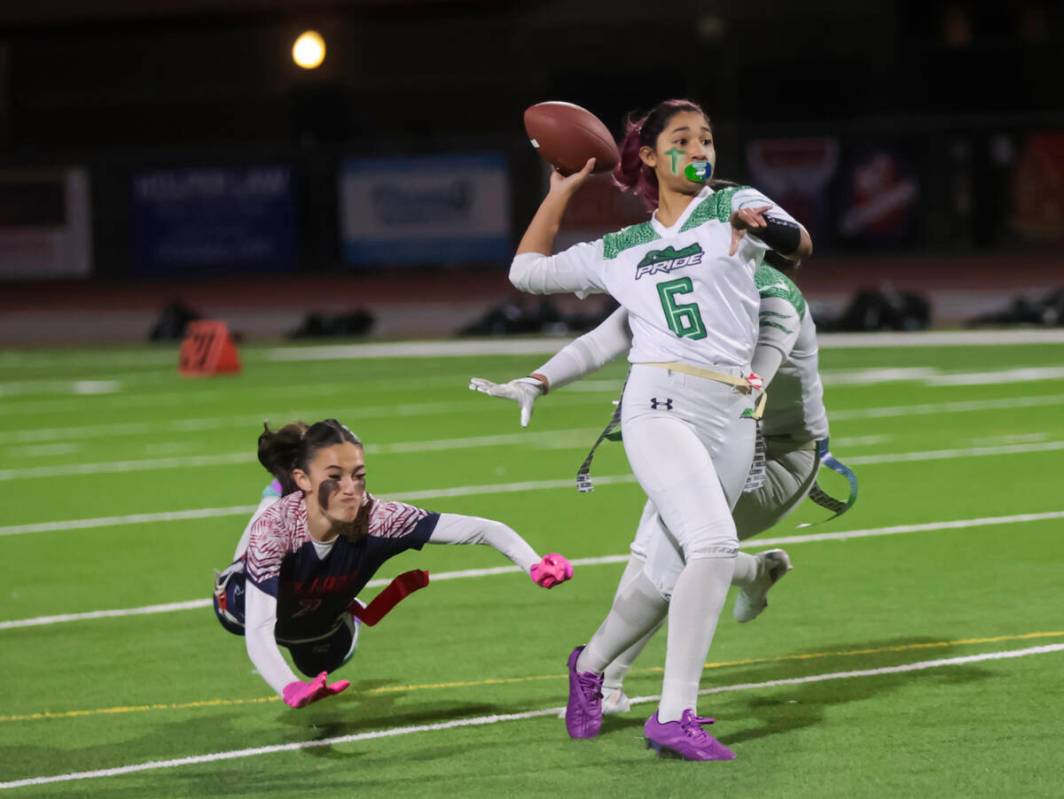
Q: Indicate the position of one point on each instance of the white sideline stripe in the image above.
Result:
(950, 454)
(553, 438)
(523, 346)
(17, 388)
(498, 488)
(1022, 375)
(578, 438)
(501, 488)
(945, 338)
(133, 518)
(196, 604)
(868, 377)
(481, 721)
(538, 346)
(960, 406)
(201, 424)
(899, 529)
(113, 467)
(196, 425)
(243, 510)
(147, 610)
(254, 421)
(274, 393)
(932, 376)
(418, 349)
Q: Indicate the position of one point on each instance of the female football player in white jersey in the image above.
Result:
(686, 408)
(794, 427)
(306, 555)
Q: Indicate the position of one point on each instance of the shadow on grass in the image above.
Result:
(357, 710)
(805, 705)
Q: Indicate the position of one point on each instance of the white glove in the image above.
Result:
(523, 391)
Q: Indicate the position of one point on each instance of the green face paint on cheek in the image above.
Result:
(675, 154)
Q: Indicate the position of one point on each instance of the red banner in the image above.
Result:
(1038, 188)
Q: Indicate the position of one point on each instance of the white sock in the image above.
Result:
(747, 570)
(637, 608)
(613, 677)
(696, 604)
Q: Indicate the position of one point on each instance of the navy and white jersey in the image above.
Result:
(312, 590)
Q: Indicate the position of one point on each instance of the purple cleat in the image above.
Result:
(685, 738)
(583, 713)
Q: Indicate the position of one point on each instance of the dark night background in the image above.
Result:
(965, 99)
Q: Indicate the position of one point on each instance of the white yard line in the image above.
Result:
(129, 518)
(934, 377)
(243, 510)
(275, 392)
(420, 349)
(18, 388)
(115, 467)
(944, 338)
(899, 529)
(545, 346)
(253, 422)
(870, 377)
(482, 721)
(432, 493)
(951, 454)
(202, 424)
(1021, 375)
(465, 574)
(518, 346)
(576, 438)
(959, 406)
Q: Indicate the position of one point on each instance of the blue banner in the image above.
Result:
(425, 209)
(215, 219)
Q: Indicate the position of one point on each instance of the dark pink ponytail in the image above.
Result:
(631, 174)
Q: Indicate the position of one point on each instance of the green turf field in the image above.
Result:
(124, 485)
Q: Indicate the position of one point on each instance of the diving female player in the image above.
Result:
(305, 557)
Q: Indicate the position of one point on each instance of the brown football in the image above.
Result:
(566, 135)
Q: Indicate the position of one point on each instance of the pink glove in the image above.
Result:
(552, 570)
(301, 694)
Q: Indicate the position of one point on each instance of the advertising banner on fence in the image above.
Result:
(797, 174)
(425, 209)
(879, 192)
(214, 219)
(45, 229)
(1038, 188)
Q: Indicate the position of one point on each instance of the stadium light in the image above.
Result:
(309, 50)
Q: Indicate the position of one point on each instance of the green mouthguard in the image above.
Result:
(698, 172)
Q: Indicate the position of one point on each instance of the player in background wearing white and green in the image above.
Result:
(686, 279)
(794, 427)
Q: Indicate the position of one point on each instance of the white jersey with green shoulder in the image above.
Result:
(795, 405)
(687, 299)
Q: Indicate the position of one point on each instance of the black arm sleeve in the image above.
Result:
(780, 235)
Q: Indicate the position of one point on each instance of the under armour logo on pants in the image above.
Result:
(655, 403)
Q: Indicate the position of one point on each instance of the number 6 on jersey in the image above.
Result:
(684, 319)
